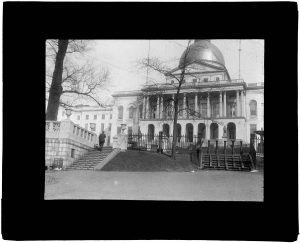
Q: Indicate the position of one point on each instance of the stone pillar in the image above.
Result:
(220, 105)
(184, 105)
(147, 108)
(157, 108)
(144, 107)
(208, 106)
(196, 104)
(237, 103)
(224, 110)
(243, 103)
(161, 107)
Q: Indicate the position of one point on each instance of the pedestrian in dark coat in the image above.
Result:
(101, 140)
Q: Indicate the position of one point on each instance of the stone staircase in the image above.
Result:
(91, 159)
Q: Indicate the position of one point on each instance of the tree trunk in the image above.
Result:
(56, 87)
(173, 154)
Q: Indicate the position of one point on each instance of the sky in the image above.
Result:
(120, 57)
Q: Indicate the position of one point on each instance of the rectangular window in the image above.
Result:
(118, 130)
(129, 131)
(217, 79)
(103, 116)
(194, 80)
(109, 127)
(252, 128)
(78, 118)
(86, 117)
(72, 153)
(102, 127)
(95, 117)
(205, 80)
(110, 116)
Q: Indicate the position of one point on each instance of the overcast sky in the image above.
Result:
(121, 56)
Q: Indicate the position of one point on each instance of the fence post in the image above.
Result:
(252, 151)
(160, 142)
(241, 147)
(208, 145)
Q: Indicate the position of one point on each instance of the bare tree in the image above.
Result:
(156, 65)
(71, 79)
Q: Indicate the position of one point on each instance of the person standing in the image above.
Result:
(101, 140)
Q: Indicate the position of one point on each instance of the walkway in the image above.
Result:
(201, 185)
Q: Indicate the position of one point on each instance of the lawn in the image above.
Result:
(147, 162)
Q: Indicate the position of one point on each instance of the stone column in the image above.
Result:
(147, 108)
(220, 105)
(161, 107)
(237, 103)
(196, 104)
(144, 107)
(224, 110)
(184, 105)
(208, 106)
(243, 103)
(157, 108)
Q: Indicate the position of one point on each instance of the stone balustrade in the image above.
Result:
(68, 141)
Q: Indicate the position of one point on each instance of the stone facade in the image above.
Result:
(67, 141)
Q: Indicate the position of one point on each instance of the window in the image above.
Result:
(118, 130)
(72, 153)
(103, 116)
(217, 79)
(109, 127)
(95, 117)
(205, 80)
(102, 127)
(172, 81)
(131, 112)
(129, 131)
(86, 125)
(120, 112)
(253, 108)
(78, 118)
(110, 116)
(86, 117)
(194, 80)
(252, 128)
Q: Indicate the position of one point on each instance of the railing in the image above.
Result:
(67, 129)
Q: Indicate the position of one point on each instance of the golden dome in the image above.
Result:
(203, 51)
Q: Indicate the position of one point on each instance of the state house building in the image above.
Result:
(210, 101)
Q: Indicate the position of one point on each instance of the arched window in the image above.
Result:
(151, 131)
(231, 130)
(189, 132)
(166, 130)
(141, 110)
(253, 108)
(214, 131)
(120, 112)
(178, 132)
(201, 130)
(131, 112)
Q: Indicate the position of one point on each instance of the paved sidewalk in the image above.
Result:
(187, 186)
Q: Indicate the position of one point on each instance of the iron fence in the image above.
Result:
(184, 144)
